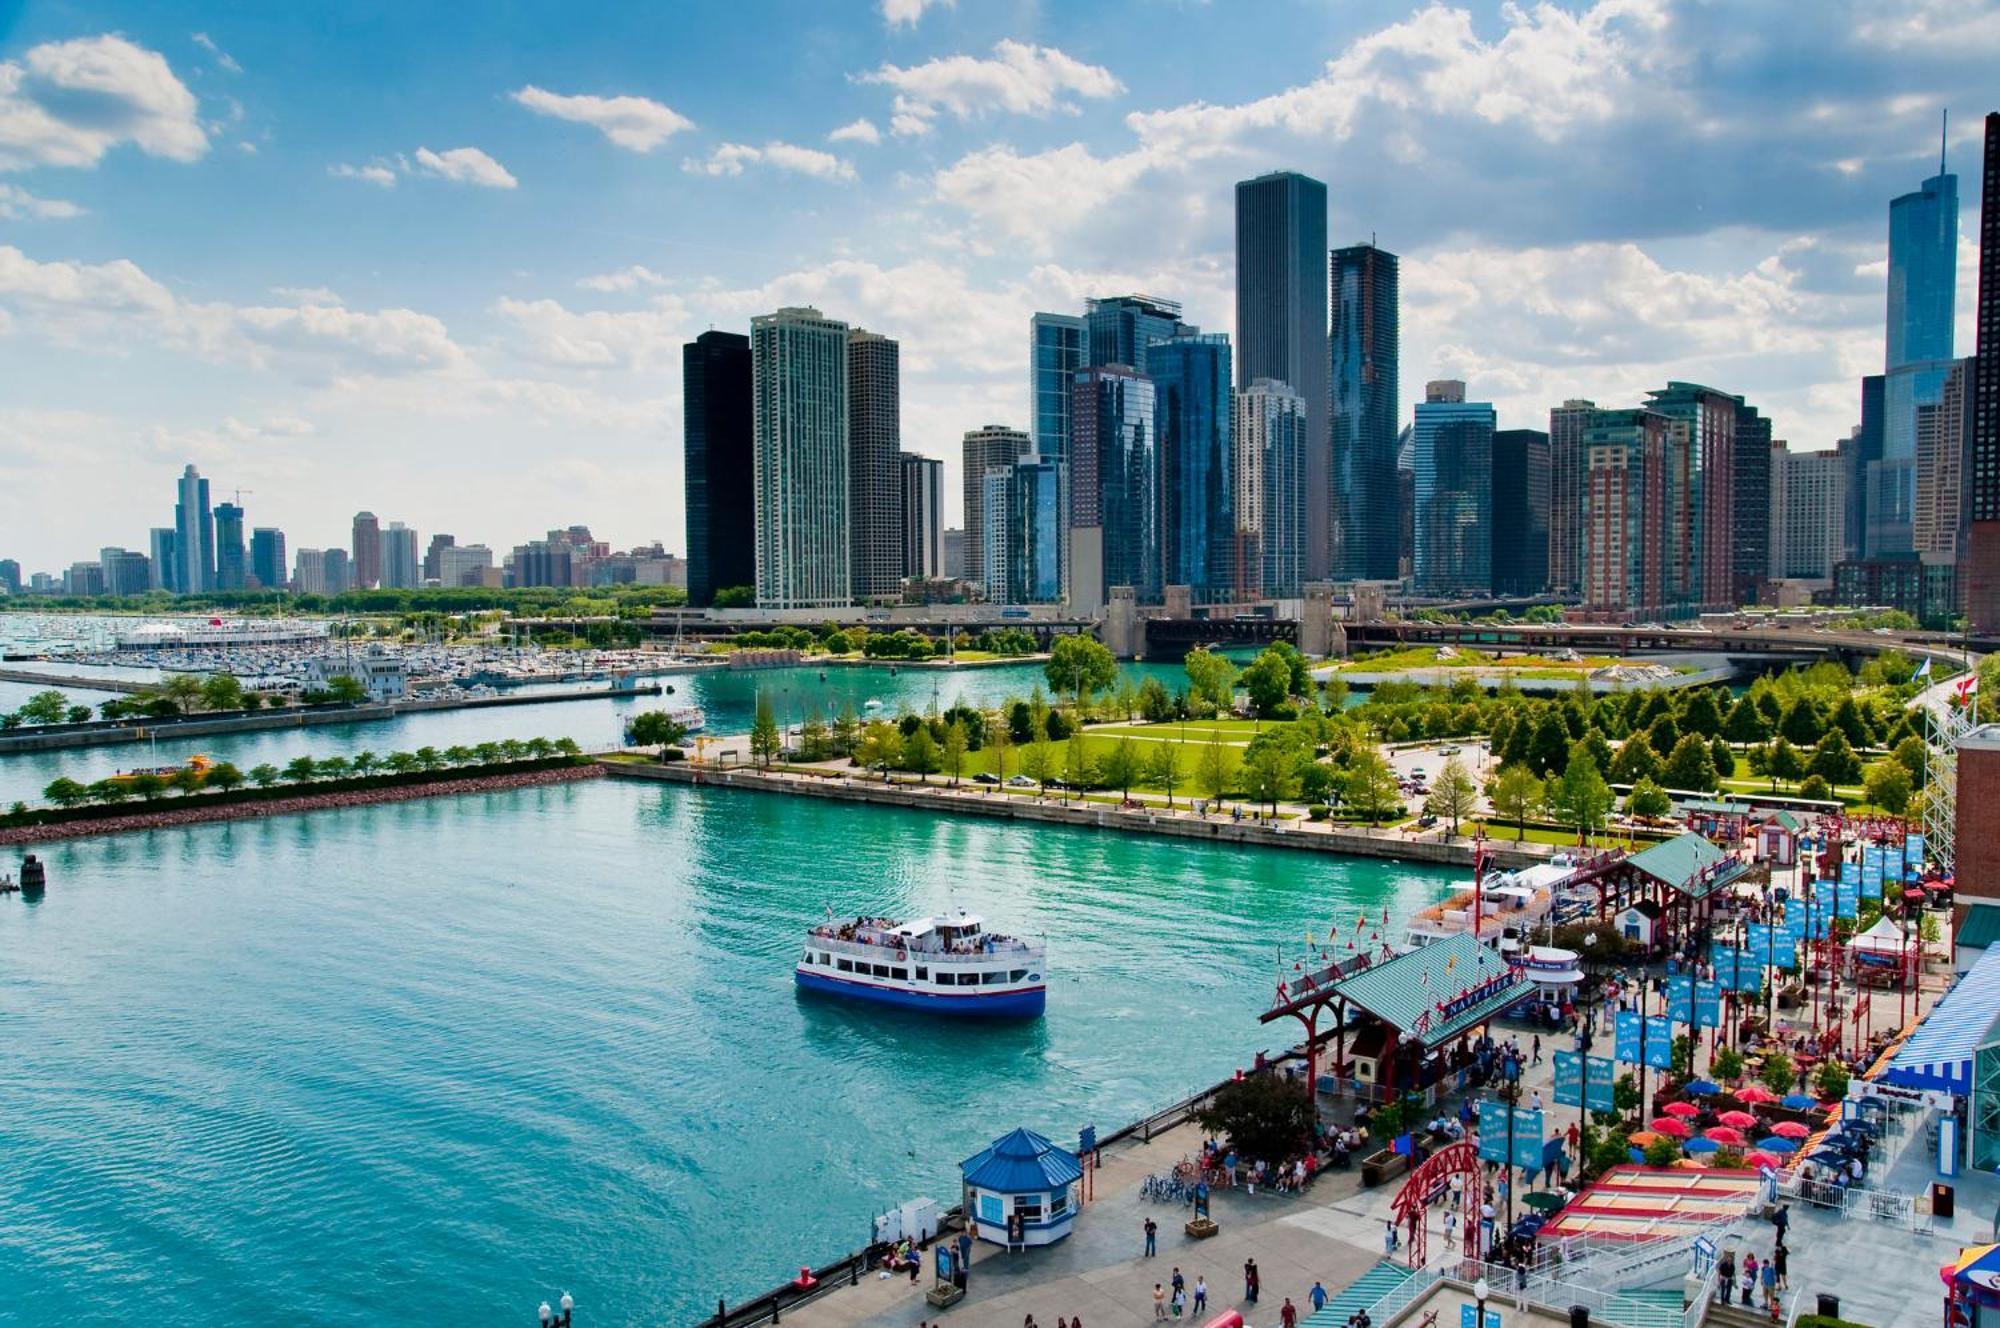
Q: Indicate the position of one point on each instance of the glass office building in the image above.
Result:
(1923, 281)
(1114, 489)
(1120, 328)
(1057, 349)
(799, 413)
(1269, 424)
(1036, 533)
(1365, 345)
(1452, 469)
(1191, 387)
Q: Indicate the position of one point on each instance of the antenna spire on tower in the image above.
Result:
(1944, 129)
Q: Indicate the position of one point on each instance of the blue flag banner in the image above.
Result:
(1847, 901)
(1659, 1043)
(1600, 1082)
(1680, 999)
(1569, 1079)
(1914, 848)
(1492, 1131)
(1850, 873)
(1625, 1046)
(1527, 1138)
(1738, 970)
(1708, 1005)
(1757, 941)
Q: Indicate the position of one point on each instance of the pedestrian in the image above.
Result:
(1200, 1294)
(1028, 1322)
(1749, 1282)
(1252, 1281)
(1288, 1314)
(1725, 1275)
(1535, 1057)
(1782, 1257)
(1159, 1303)
(1769, 1277)
(1450, 1229)
(1782, 1220)
(1179, 1300)
(1318, 1297)
(1457, 1189)
(1152, 1236)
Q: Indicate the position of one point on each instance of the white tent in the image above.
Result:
(1885, 937)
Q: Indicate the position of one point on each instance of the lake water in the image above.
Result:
(434, 1061)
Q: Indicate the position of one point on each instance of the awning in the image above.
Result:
(1437, 991)
(1938, 1056)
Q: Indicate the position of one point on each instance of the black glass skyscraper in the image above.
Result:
(1520, 512)
(1365, 342)
(1983, 463)
(721, 503)
(1281, 326)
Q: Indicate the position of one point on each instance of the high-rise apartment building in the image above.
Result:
(1058, 345)
(954, 554)
(1114, 489)
(1937, 524)
(1119, 328)
(366, 562)
(433, 551)
(10, 577)
(163, 546)
(466, 565)
(1698, 508)
(874, 474)
(1191, 387)
(718, 473)
(232, 563)
(1982, 478)
(1281, 323)
(1520, 512)
(921, 485)
(268, 565)
(1923, 283)
(1567, 468)
(1774, 527)
(401, 568)
(799, 378)
(1269, 426)
(1624, 463)
(1365, 346)
(124, 572)
(194, 535)
(1814, 487)
(1750, 505)
(1037, 530)
(1453, 493)
(1863, 453)
(983, 449)
(323, 572)
(996, 488)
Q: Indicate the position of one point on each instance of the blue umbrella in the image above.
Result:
(1778, 1144)
(1798, 1101)
(1702, 1088)
(1702, 1146)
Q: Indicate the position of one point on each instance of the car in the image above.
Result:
(986, 777)
(1452, 750)
(1427, 820)
(1416, 772)
(1019, 781)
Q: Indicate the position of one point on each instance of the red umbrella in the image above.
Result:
(1755, 1094)
(1742, 1120)
(1790, 1130)
(1667, 1125)
(1723, 1134)
(1760, 1159)
(1682, 1109)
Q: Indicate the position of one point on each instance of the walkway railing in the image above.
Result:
(1857, 1203)
(1402, 1295)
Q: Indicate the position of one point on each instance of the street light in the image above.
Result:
(1480, 1291)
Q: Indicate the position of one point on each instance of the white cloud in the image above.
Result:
(859, 131)
(641, 340)
(373, 173)
(1010, 190)
(732, 158)
(17, 204)
(1019, 79)
(624, 279)
(635, 123)
(466, 166)
(1957, 27)
(223, 59)
(68, 103)
(906, 13)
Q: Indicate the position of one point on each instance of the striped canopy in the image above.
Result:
(1938, 1055)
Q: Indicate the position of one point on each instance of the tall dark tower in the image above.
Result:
(717, 469)
(1983, 475)
(1281, 328)
(1365, 343)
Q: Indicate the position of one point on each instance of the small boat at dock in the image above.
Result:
(944, 965)
(1511, 905)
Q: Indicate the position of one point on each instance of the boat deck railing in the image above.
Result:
(879, 951)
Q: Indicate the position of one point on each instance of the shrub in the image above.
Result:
(1319, 811)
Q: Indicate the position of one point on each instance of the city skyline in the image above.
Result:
(475, 270)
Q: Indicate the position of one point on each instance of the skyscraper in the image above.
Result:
(1114, 489)
(1365, 344)
(1119, 328)
(922, 496)
(1624, 462)
(996, 488)
(799, 379)
(10, 577)
(366, 564)
(1269, 424)
(194, 535)
(1923, 281)
(401, 569)
(717, 471)
(1037, 530)
(1750, 538)
(1938, 522)
(1058, 346)
(434, 555)
(1453, 496)
(982, 450)
(1191, 425)
(1862, 453)
(1983, 470)
(1566, 473)
(1281, 322)
(166, 572)
(1520, 512)
(267, 557)
(1698, 511)
(232, 568)
(874, 475)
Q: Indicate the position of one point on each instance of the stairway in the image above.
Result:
(1735, 1316)
(1644, 1309)
(1362, 1292)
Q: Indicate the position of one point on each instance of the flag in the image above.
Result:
(1923, 670)
(1424, 978)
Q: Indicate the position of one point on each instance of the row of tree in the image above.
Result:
(182, 694)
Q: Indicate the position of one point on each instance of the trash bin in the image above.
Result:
(1579, 1316)
(1942, 1199)
(1829, 1306)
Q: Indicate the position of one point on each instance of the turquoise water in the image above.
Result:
(437, 1060)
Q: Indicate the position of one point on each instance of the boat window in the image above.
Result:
(923, 974)
(990, 978)
(946, 979)
(900, 974)
(968, 979)
(844, 966)
(1017, 975)
(881, 970)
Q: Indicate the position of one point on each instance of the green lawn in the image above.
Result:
(1192, 730)
(1098, 746)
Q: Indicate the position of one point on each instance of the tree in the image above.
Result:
(920, 754)
(1212, 774)
(880, 747)
(1517, 795)
(1816, 788)
(44, 708)
(65, 792)
(148, 786)
(1038, 762)
(846, 731)
(1270, 775)
(1080, 665)
(346, 689)
(1163, 768)
(1268, 682)
(1453, 794)
(657, 728)
(1781, 761)
(1914, 756)
(1690, 766)
(1801, 724)
(1211, 680)
(1649, 800)
(225, 776)
(78, 714)
(1581, 797)
(1832, 1079)
(1663, 734)
(1079, 771)
(221, 691)
(186, 780)
(1701, 714)
(428, 758)
(766, 742)
(264, 774)
(1745, 724)
(1371, 785)
(109, 791)
(1123, 767)
(1261, 1115)
(403, 763)
(1634, 761)
(956, 743)
(1833, 760)
(1724, 756)
(1548, 750)
(301, 769)
(1000, 743)
(1888, 786)
(458, 754)
(1156, 704)
(333, 767)
(1851, 723)
(1779, 1074)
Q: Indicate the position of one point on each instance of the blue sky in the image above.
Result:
(438, 261)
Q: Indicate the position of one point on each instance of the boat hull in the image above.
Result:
(1019, 1003)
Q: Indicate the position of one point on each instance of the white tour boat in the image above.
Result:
(948, 965)
(1512, 905)
(688, 717)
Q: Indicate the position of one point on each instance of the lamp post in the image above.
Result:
(554, 1320)
(1480, 1291)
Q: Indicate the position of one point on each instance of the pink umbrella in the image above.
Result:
(1682, 1109)
(1723, 1134)
(1760, 1159)
(1742, 1120)
(1672, 1128)
(1790, 1130)
(1755, 1094)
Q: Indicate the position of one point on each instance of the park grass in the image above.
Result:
(1229, 730)
(1426, 657)
(1098, 746)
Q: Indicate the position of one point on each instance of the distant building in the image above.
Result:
(10, 576)
(1191, 404)
(1624, 460)
(322, 572)
(921, 485)
(125, 572)
(874, 470)
(1863, 454)
(1037, 520)
(1923, 284)
(983, 449)
(84, 579)
(432, 563)
(232, 562)
(401, 569)
(1927, 591)
(1775, 531)
(1698, 510)
(163, 546)
(1750, 511)
(1567, 468)
(1520, 512)
(1121, 327)
(194, 536)
(954, 554)
(1983, 469)
(1281, 327)
(1270, 423)
(464, 565)
(799, 376)
(543, 562)
(719, 474)
(1453, 492)
(267, 557)
(1058, 347)
(996, 488)
(1944, 447)
(1114, 489)
(367, 556)
(1365, 348)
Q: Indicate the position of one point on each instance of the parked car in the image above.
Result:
(1019, 781)
(1427, 820)
(986, 777)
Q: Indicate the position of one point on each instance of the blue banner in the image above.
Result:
(1600, 1083)
(1847, 900)
(1850, 873)
(1492, 1131)
(1708, 1005)
(1680, 1000)
(1527, 1139)
(1659, 1043)
(1625, 1046)
(1738, 970)
(1569, 1079)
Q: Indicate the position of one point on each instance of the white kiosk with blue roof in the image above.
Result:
(1021, 1190)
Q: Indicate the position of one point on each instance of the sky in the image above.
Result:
(438, 261)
